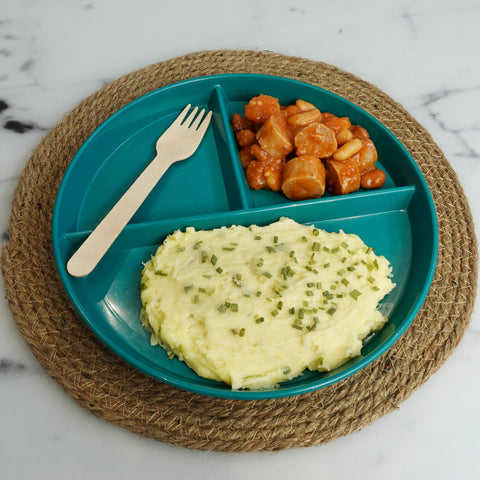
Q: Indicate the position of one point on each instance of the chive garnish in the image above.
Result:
(309, 293)
(234, 307)
(331, 310)
(197, 245)
(222, 308)
(355, 294)
(270, 249)
(316, 247)
(213, 260)
(259, 320)
(187, 288)
(196, 298)
(219, 270)
(228, 249)
(160, 273)
(298, 327)
(315, 232)
(257, 237)
(241, 333)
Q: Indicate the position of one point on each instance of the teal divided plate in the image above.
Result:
(208, 191)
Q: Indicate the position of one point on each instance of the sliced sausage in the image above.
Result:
(303, 177)
(342, 177)
(316, 139)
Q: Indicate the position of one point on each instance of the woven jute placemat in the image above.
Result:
(111, 389)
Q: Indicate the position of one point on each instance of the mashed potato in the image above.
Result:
(253, 307)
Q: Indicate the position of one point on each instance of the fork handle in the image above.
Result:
(92, 250)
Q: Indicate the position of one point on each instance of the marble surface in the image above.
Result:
(53, 53)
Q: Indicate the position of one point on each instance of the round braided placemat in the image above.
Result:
(111, 389)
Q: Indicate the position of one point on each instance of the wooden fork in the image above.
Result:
(178, 142)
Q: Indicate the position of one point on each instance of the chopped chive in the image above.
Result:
(274, 313)
(213, 260)
(319, 285)
(241, 333)
(219, 270)
(345, 282)
(315, 232)
(196, 298)
(228, 249)
(234, 331)
(310, 284)
(326, 249)
(234, 307)
(331, 310)
(350, 269)
(375, 264)
(375, 288)
(371, 279)
(267, 274)
(280, 305)
(180, 249)
(202, 290)
(304, 238)
(197, 245)
(344, 244)
(257, 237)
(298, 327)
(316, 247)
(369, 250)
(204, 256)
(291, 311)
(326, 265)
(344, 259)
(355, 294)
(222, 308)
(301, 312)
(258, 293)
(259, 320)
(160, 273)
(275, 239)
(270, 249)
(187, 288)
(309, 293)
(286, 370)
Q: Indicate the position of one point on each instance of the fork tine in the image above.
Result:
(190, 118)
(197, 120)
(182, 115)
(204, 125)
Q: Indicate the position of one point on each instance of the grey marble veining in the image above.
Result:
(53, 53)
